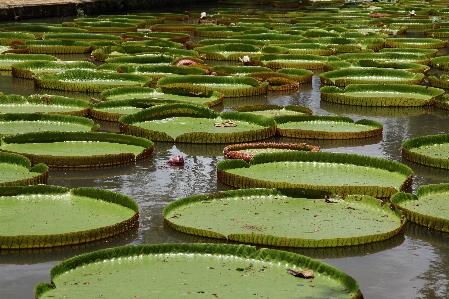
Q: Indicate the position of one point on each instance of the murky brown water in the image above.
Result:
(414, 264)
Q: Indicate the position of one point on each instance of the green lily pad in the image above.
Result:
(430, 150)
(386, 57)
(196, 124)
(240, 70)
(265, 217)
(159, 71)
(176, 126)
(427, 208)
(229, 51)
(65, 217)
(369, 75)
(246, 151)
(57, 46)
(8, 59)
(407, 51)
(388, 95)
(275, 110)
(88, 81)
(16, 123)
(28, 69)
(43, 103)
(113, 110)
(123, 101)
(228, 85)
(421, 43)
(326, 127)
(78, 149)
(307, 48)
(15, 170)
(175, 270)
(301, 61)
(317, 173)
(150, 35)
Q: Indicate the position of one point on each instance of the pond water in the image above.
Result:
(414, 264)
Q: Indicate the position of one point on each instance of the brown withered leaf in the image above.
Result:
(301, 273)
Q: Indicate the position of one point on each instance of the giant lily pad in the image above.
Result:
(196, 124)
(14, 38)
(139, 99)
(229, 86)
(159, 71)
(317, 172)
(15, 170)
(386, 57)
(391, 95)
(100, 26)
(219, 31)
(16, 123)
(57, 47)
(223, 41)
(142, 59)
(441, 82)
(441, 62)
(43, 103)
(88, 81)
(65, 217)
(82, 36)
(213, 270)
(266, 217)
(326, 127)
(272, 38)
(211, 98)
(301, 61)
(246, 151)
(307, 48)
(179, 28)
(407, 51)
(150, 35)
(7, 60)
(427, 207)
(408, 66)
(411, 23)
(238, 70)
(369, 75)
(40, 29)
(422, 43)
(78, 149)
(430, 150)
(275, 110)
(28, 69)
(228, 51)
